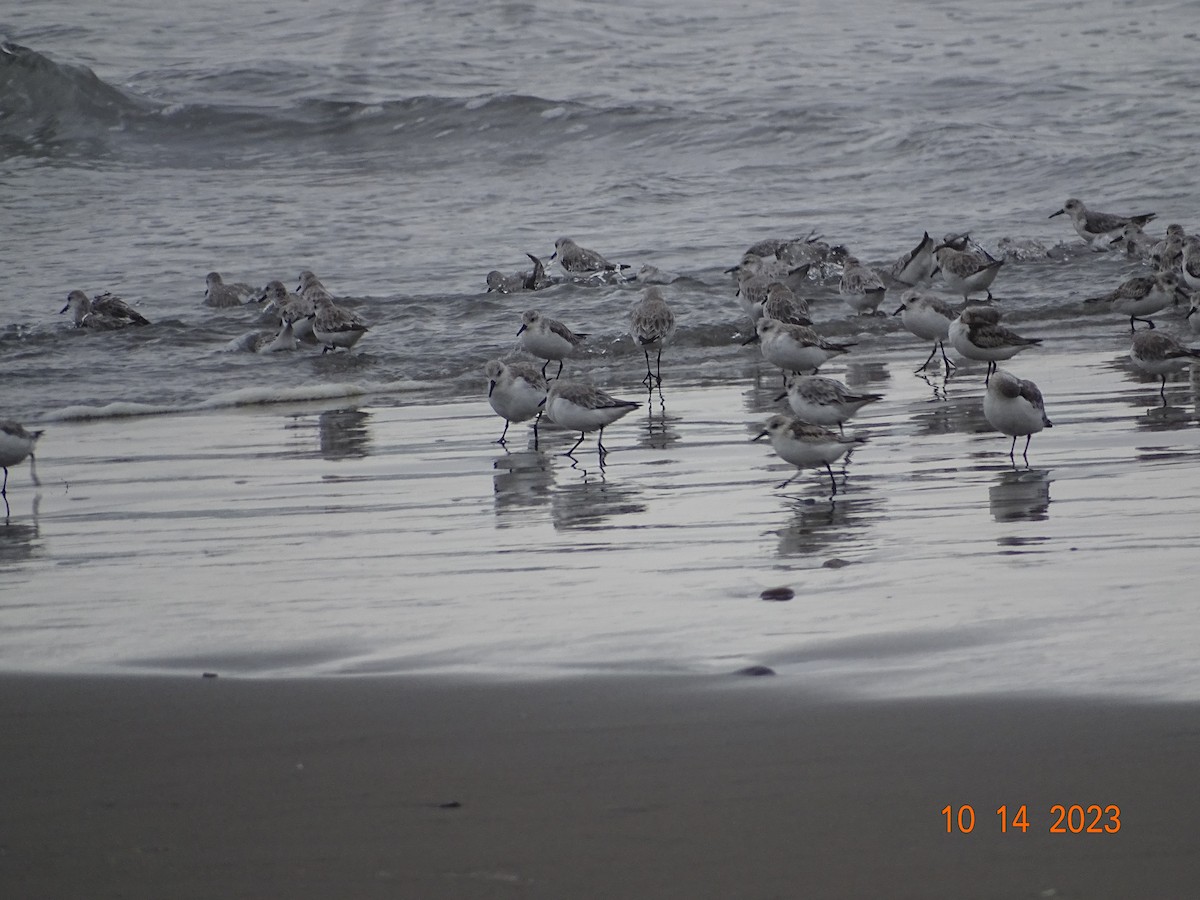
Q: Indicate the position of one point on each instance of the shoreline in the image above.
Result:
(615, 787)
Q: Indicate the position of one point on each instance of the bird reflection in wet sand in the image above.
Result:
(816, 526)
(344, 433)
(586, 504)
(660, 430)
(1020, 495)
(524, 479)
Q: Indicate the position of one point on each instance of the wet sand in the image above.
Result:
(667, 787)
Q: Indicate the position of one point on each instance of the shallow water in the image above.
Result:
(399, 539)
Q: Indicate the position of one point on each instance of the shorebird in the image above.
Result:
(1138, 244)
(977, 334)
(580, 262)
(1015, 407)
(794, 348)
(929, 319)
(547, 338)
(335, 326)
(583, 408)
(289, 307)
(652, 325)
(266, 341)
(782, 305)
(806, 446)
(519, 281)
(1141, 296)
(516, 393)
(1167, 254)
(966, 268)
(103, 311)
(218, 293)
(1092, 225)
(824, 401)
(1160, 354)
(917, 265)
(861, 287)
(15, 444)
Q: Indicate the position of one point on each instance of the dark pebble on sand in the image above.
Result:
(209, 675)
(778, 594)
(834, 563)
(756, 670)
(453, 804)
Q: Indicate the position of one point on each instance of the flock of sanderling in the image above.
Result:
(767, 280)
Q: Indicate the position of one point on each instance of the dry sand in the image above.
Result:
(591, 788)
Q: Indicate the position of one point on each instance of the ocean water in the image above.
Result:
(402, 151)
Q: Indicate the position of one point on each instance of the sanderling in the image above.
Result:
(1167, 254)
(794, 348)
(583, 408)
(580, 262)
(977, 334)
(289, 307)
(1091, 225)
(782, 305)
(15, 444)
(1015, 407)
(966, 268)
(519, 281)
(649, 274)
(516, 392)
(1142, 295)
(1190, 267)
(1160, 354)
(916, 266)
(218, 293)
(861, 287)
(929, 319)
(1138, 244)
(311, 288)
(652, 325)
(265, 341)
(814, 253)
(334, 326)
(103, 311)
(824, 401)
(806, 446)
(547, 338)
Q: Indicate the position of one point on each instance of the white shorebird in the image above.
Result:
(1015, 407)
(806, 446)
(1160, 354)
(218, 293)
(861, 287)
(966, 268)
(1092, 225)
(824, 401)
(1142, 295)
(547, 338)
(289, 307)
(977, 334)
(265, 341)
(519, 282)
(1167, 254)
(1190, 267)
(15, 444)
(917, 265)
(333, 326)
(929, 319)
(782, 305)
(516, 393)
(583, 408)
(580, 262)
(1138, 244)
(103, 311)
(794, 348)
(652, 325)
(311, 288)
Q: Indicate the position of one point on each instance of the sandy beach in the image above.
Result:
(667, 787)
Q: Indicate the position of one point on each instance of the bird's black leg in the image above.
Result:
(932, 353)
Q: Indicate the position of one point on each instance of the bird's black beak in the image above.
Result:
(491, 387)
(900, 310)
(64, 309)
(777, 399)
(1117, 239)
(521, 329)
(1059, 213)
(1189, 312)
(543, 403)
(760, 436)
(750, 340)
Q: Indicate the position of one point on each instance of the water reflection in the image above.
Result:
(587, 503)
(659, 432)
(344, 433)
(1020, 495)
(960, 415)
(817, 524)
(1165, 418)
(19, 540)
(523, 480)
(866, 375)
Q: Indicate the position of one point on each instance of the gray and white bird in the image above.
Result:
(1014, 406)
(583, 408)
(861, 287)
(103, 311)
(1091, 225)
(652, 325)
(516, 392)
(1141, 296)
(917, 265)
(15, 444)
(929, 319)
(978, 335)
(547, 338)
(1160, 354)
(221, 295)
(966, 267)
(582, 263)
(806, 446)
(824, 401)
